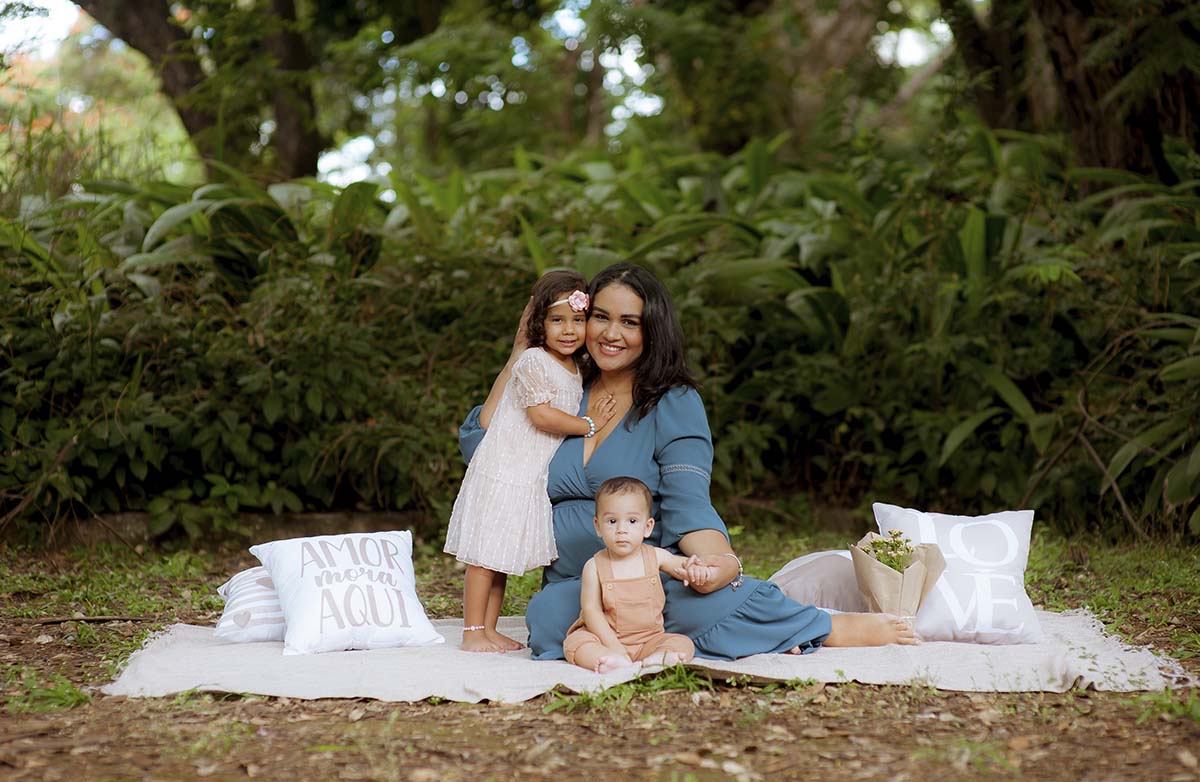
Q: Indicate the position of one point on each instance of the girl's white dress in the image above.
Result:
(502, 519)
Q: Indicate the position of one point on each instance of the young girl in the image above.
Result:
(621, 605)
(502, 522)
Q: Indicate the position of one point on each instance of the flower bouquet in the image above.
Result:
(894, 576)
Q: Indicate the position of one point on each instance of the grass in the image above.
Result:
(109, 580)
(25, 693)
(1133, 589)
(620, 696)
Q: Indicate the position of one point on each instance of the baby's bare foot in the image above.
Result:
(612, 662)
(870, 630)
(674, 658)
(503, 641)
(477, 641)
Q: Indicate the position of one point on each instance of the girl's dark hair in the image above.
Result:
(663, 363)
(551, 287)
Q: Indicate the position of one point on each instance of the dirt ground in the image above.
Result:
(698, 732)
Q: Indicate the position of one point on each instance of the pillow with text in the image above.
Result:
(980, 598)
(353, 591)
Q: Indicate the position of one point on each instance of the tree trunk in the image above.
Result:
(1101, 136)
(147, 26)
(297, 142)
(835, 39)
(995, 58)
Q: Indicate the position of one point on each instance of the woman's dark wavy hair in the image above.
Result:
(551, 287)
(663, 363)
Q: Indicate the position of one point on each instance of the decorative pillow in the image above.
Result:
(354, 591)
(252, 611)
(824, 579)
(980, 598)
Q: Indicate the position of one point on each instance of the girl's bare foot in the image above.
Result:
(870, 630)
(611, 662)
(477, 641)
(503, 641)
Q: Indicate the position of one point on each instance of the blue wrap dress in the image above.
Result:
(670, 450)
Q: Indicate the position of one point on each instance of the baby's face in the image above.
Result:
(622, 521)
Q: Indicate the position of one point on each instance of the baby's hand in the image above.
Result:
(698, 573)
(606, 407)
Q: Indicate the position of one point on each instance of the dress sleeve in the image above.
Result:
(684, 453)
(531, 381)
(470, 434)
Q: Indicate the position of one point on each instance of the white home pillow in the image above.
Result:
(252, 611)
(354, 591)
(980, 598)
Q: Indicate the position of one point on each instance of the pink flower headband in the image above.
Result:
(578, 300)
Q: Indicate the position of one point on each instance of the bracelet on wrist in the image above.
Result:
(737, 582)
(591, 432)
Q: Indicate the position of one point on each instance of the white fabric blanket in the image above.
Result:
(1078, 653)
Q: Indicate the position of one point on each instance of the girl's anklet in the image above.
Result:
(472, 628)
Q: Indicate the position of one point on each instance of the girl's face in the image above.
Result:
(614, 328)
(564, 329)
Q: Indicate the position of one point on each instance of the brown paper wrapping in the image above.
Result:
(889, 592)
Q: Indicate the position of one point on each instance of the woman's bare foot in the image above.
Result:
(870, 630)
(477, 641)
(611, 662)
(503, 641)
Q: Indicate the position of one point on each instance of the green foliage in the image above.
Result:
(962, 331)
(1169, 705)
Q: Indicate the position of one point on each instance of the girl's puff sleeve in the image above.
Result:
(531, 383)
(684, 453)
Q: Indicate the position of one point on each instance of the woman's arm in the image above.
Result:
(520, 343)
(592, 610)
(683, 450)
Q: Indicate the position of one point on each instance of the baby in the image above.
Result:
(621, 620)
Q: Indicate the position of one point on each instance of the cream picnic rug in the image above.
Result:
(1077, 653)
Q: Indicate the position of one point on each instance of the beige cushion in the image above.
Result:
(824, 579)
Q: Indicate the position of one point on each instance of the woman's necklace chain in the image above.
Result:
(604, 388)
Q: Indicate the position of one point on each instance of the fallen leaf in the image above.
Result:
(43, 639)
(1020, 743)
(1187, 758)
(687, 758)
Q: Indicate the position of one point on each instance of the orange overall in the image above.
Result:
(634, 609)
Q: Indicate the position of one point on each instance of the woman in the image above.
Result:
(660, 435)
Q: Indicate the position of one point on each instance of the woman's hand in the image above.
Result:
(521, 339)
(712, 549)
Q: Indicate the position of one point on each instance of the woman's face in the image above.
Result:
(614, 328)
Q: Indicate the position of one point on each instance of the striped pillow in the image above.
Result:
(252, 610)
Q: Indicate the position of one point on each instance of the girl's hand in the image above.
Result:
(605, 409)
